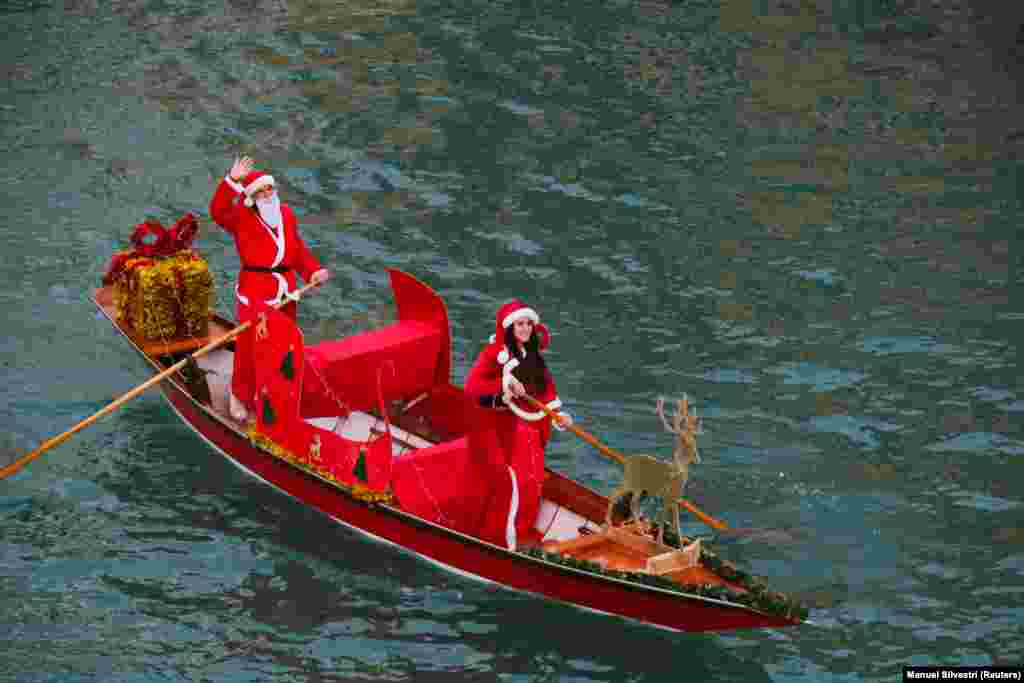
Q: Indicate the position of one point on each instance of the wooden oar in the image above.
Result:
(621, 459)
(111, 407)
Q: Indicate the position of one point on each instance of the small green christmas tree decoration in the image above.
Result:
(360, 469)
(268, 411)
(288, 364)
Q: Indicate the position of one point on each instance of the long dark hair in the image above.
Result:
(531, 368)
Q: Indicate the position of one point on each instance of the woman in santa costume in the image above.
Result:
(510, 435)
(270, 249)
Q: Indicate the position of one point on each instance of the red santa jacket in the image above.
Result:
(261, 246)
(488, 381)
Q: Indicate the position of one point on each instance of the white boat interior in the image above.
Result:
(554, 522)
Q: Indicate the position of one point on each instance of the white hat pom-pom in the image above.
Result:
(257, 182)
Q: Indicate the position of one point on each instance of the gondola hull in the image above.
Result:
(449, 549)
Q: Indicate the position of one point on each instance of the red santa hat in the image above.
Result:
(254, 182)
(516, 310)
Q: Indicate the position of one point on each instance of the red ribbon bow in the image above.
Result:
(151, 239)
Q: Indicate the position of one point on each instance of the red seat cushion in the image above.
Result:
(441, 484)
(404, 354)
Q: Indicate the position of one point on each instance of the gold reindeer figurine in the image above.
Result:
(644, 473)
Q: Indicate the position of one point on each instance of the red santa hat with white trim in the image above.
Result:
(253, 182)
(516, 310)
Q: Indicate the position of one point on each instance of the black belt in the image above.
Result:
(491, 401)
(264, 269)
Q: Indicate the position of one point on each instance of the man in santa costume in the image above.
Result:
(266, 235)
(510, 435)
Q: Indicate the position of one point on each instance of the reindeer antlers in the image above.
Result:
(684, 425)
(660, 410)
(682, 421)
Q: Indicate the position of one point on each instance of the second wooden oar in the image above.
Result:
(111, 407)
(621, 459)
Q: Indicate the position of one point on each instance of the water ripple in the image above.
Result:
(860, 431)
(817, 376)
(852, 342)
(730, 376)
(881, 345)
(979, 442)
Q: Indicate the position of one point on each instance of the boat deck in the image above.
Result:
(570, 519)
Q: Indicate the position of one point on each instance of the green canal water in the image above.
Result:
(803, 215)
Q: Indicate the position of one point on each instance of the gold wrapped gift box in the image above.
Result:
(165, 299)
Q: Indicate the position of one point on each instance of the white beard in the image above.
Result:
(270, 211)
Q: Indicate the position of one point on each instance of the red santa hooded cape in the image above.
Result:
(509, 436)
(277, 250)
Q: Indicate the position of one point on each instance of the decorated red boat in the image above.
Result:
(369, 430)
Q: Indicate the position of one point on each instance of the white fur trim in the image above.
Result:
(533, 417)
(259, 184)
(237, 187)
(513, 509)
(502, 355)
(282, 292)
(554, 405)
(524, 312)
(278, 237)
(282, 288)
(506, 374)
(529, 417)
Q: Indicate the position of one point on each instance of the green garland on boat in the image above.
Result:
(357, 491)
(757, 597)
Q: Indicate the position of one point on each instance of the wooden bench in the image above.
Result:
(624, 549)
